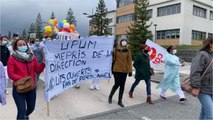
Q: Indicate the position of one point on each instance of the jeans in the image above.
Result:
(25, 103)
(206, 101)
(148, 86)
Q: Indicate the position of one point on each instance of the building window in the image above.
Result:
(168, 34)
(149, 13)
(109, 30)
(168, 10)
(110, 20)
(198, 35)
(210, 34)
(125, 18)
(198, 11)
(122, 3)
(211, 15)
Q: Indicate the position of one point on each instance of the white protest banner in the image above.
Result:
(156, 52)
(67, 36)
(70, 62)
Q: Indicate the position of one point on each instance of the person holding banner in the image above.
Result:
(23, 63)
(38, 52)
(171, 77)
(122, 66)
(142, 67)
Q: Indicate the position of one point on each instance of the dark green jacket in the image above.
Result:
(142, 67)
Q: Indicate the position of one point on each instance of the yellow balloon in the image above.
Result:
(64, 21)
(48, 28)
(51, 21)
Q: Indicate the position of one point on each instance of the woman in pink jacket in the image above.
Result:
(23, 63)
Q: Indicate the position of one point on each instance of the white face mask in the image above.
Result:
(174, 52)
(123, 43)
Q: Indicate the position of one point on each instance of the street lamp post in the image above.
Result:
(90, 24)
(155, 33)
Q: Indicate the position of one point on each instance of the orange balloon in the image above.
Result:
(72, 27)
(55, 21)
(47, 33)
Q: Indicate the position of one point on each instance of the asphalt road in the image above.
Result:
(170, 109)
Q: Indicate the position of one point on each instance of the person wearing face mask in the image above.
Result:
(142, 67)
(203, 85)
(171, 77)
(38, 52)
(4, 55)
(23, 63)
(122, 66)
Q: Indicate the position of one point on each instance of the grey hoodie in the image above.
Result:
(199, 64)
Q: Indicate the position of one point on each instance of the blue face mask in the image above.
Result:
(4, 42)
(37, 43)
(22, 48)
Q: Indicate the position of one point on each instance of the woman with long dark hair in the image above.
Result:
(203, 86)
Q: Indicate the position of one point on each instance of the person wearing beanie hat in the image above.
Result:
(142, 67)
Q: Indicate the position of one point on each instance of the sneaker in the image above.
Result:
(97, 88)
(183, 100)
(92, 88)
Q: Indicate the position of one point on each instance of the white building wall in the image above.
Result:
(112, 15)
(173, 21)
(192, 22)
(185, 21)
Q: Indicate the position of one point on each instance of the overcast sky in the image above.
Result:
(19, 14)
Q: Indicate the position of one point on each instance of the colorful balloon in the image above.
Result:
(72, 27)
(67, 30)
(64, 21)
(48, 28)
(61, 24)
(47, 33)
(55, 22)
(51, 21)
(56, 30)
(66, 25)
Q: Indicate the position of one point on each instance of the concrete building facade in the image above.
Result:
(180, 22)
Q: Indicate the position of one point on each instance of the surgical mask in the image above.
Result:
(146, 51)
(37, 43)
(22, 48)
(174, 52)
(123, 43)
(4, 42)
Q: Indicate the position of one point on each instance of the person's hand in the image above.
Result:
(195, 92)
(130, 74)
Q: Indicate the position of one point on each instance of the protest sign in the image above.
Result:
(156, 52)
(70, 62)
(67, 36)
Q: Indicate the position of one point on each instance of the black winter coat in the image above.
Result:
(4, 55)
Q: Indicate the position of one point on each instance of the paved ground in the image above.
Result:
(170, 109)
